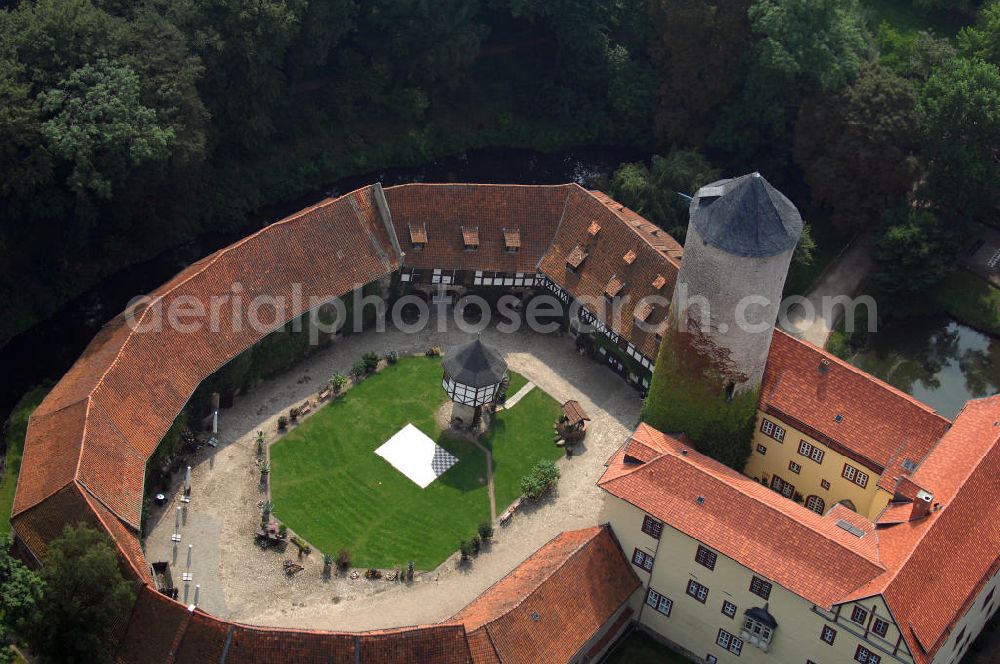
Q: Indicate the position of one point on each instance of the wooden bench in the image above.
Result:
(324, 394)
(509, 512)
(306, 407)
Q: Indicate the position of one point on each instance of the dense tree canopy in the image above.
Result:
(20, 591)
(85, 596)
(857, 147)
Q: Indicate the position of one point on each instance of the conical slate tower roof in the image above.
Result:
(746, 216)
(475, 364)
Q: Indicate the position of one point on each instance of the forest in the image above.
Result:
(128, 128)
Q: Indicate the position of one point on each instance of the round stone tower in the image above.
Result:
(740, 240)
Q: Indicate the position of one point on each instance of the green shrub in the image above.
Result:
(540, 480)
(392, 357)
(343, 559)
(476, 543)
(337, 382)
(465, 549)
(486, 531)
(359, 370)
(370, 361)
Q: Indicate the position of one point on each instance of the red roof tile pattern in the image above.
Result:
(950, 554)
(604, 261)
(552, 604)
(656, 236)
(802, 551)
(445, 208)
(878, 424)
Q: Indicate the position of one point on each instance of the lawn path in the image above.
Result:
(489, 479)
(521, 393)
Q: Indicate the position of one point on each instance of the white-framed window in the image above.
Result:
(661, 603)
(758, 628)
(728, 609)
(730, 642)
(760, 587)
(852, 474)
(859, 615)
(866, 656)
(643, 560)
(816, 504)
(769, 428)
(828, 635)
(794, 467)
(880, 627)
(809, 450)
(652, 527)
(698, 591)
(706, 557)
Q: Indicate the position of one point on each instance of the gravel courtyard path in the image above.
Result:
(239, 581)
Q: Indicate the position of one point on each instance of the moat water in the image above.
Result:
(938, 360)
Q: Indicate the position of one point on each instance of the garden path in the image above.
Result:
(241, 582)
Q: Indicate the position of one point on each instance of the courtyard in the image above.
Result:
(240, 581)
(330, 486)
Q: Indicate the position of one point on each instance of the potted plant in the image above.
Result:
(486, 531)
(293, 413)
(391, 357)
(327, 564)
(282, 423)
(465, 550)
(337, 382)
(410, 566)
(260, 443)
(265, 469)
(370, 361)
(265, 512)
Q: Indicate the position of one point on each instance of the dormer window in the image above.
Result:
(594, 229)
(512, 240)
(418, 236)
(643, 311)
(629, 258)
(575, 259)
(659, 282)
(614, 287)
(758, 627)
(470, 238)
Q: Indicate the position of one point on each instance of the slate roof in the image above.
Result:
(553, 603)
(475, 364)
(746, 216)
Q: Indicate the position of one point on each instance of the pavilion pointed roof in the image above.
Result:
(475, 364)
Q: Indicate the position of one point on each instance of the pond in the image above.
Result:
(936, 359)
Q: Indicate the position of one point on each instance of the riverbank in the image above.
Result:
(971, 300)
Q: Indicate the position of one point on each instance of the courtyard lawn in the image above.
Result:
(640, 648)
(518, 439)
(330, 487)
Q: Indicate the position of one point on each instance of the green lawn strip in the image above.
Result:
(329, 486)
(517, 381)
(970, 299)
(16, 428)
(519, 438)
(640, 648)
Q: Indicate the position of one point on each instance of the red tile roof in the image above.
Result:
(445, 208)
(951, 553)
(619, 234)
(552, 604)
(878, 424)
(802, 551)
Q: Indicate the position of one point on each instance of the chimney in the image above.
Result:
(921, 505)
